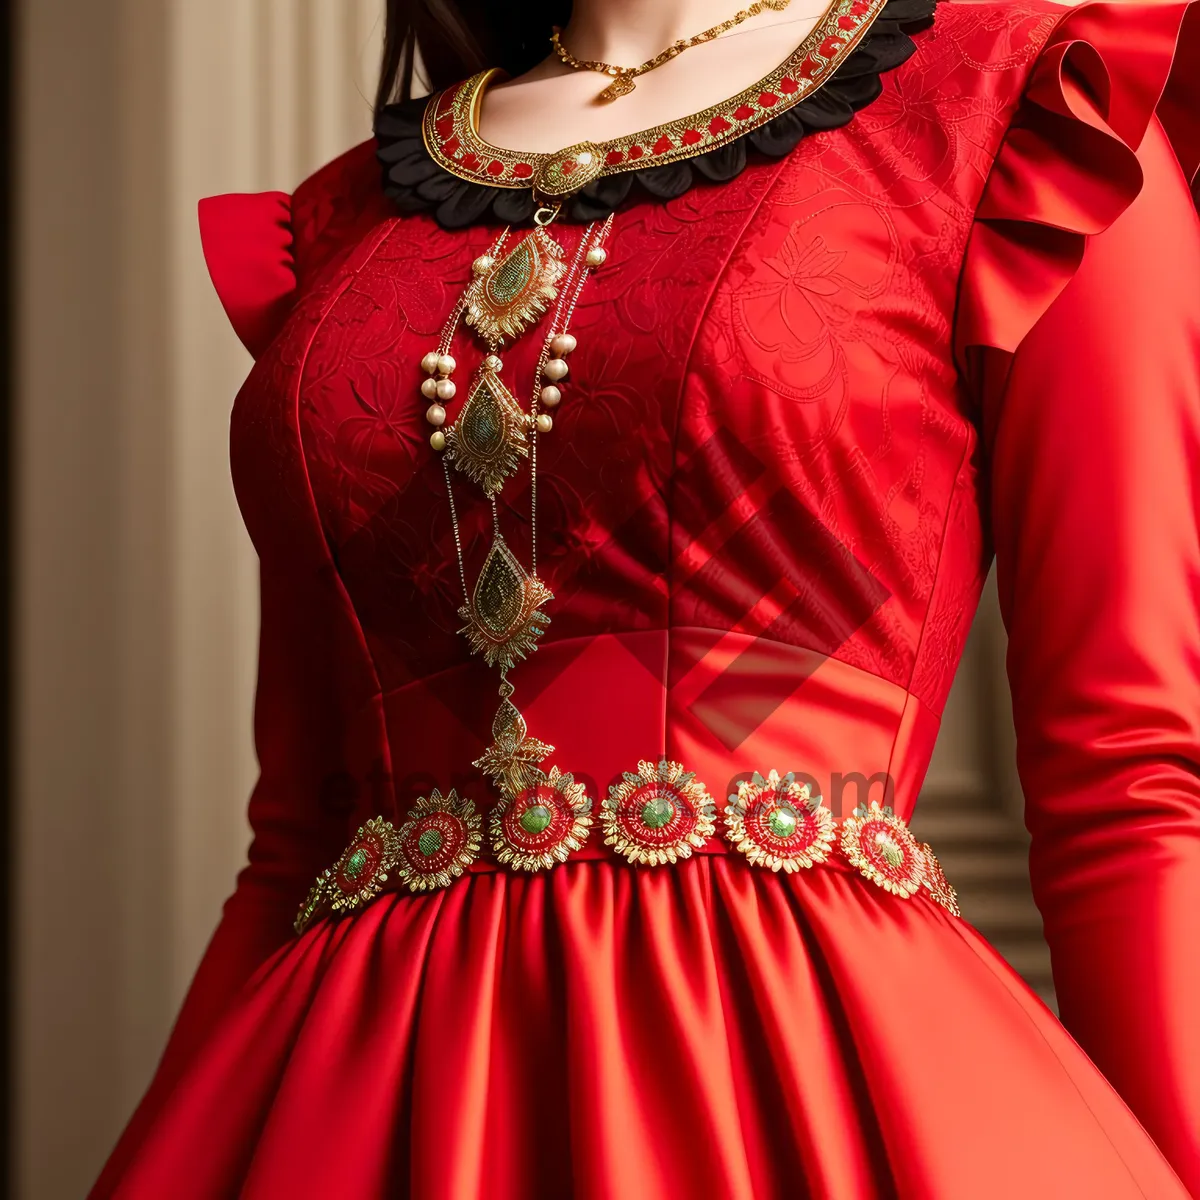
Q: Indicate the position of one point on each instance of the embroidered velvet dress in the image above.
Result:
(948, 308)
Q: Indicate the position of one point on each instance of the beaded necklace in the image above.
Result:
(542, 815)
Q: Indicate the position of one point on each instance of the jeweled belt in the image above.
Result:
(659, 814)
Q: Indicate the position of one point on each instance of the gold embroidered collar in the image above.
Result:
(451, 121)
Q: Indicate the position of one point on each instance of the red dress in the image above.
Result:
(807, 405)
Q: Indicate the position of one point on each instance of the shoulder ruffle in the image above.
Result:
(415, 183)
(1068, 166)
(247, 241)
(264, 248)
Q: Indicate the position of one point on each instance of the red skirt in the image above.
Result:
(702, 1030)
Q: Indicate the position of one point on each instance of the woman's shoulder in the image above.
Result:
(335, 205)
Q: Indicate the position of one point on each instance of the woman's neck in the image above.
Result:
(627, 32)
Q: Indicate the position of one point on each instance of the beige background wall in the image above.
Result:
(136, 605)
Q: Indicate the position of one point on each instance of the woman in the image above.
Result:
(622, 512)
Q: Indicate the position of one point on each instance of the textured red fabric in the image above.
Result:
(766, 511)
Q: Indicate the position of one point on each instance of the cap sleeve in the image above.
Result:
(1068, 166)
(248, 246)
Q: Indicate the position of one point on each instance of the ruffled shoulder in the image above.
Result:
(247, 240)
(264, 248)
(1068, 165)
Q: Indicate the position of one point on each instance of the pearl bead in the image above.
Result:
(446, 364)
(435, 414)
(545, 423)
(483, 263)
(429, 363)
(563, 345)
(555, 369)
(550, 396)
(437, 439)
(493, 362)
(597, 256)
(446, 389)
(429, 389)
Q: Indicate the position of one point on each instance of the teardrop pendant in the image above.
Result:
(510, 293)
(488, 440)
(504, 618)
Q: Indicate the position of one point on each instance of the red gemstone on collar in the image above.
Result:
(788, 85)
(663, 144)
(831, 46)
(718, 125)
(495, 167)
(743, 113)
(523, 170)
(635, 152)
(691, 137)
(808, 68)
(614, 157)
(847, 23)
(768, 99)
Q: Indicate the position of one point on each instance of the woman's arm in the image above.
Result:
(1095, 467)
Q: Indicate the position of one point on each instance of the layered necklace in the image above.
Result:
(543, 814)
(623, 77)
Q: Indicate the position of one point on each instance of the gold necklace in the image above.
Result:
(623, 77)
(543, 814)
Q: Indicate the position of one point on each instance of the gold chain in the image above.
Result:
(623, 77)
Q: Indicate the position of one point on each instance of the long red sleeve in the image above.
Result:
(1096, 517)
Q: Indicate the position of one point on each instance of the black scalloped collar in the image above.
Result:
(415, 182)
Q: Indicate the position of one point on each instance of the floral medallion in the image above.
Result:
(542, 823)
(365, 866)
(936, 883)
(658, 815)
(438, 842)
(879, 844)
(778, 823)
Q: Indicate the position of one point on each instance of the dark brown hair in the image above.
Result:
(456, 38)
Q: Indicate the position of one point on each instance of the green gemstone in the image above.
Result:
(657, 813)
(356, 864)
(430, 842)
(535, 818)
(483, 422)
(782, 822)
(513, 275)
(893, 855)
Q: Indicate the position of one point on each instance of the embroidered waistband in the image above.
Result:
(659, 814)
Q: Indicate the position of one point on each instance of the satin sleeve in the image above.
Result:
(1080, 335)
(248, 247)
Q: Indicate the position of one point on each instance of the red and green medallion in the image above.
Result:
(659, 814)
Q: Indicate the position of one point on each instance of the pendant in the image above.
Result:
(508, 295)
(512, 760)
(504, 618)
(488, 440)
(621, 86)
